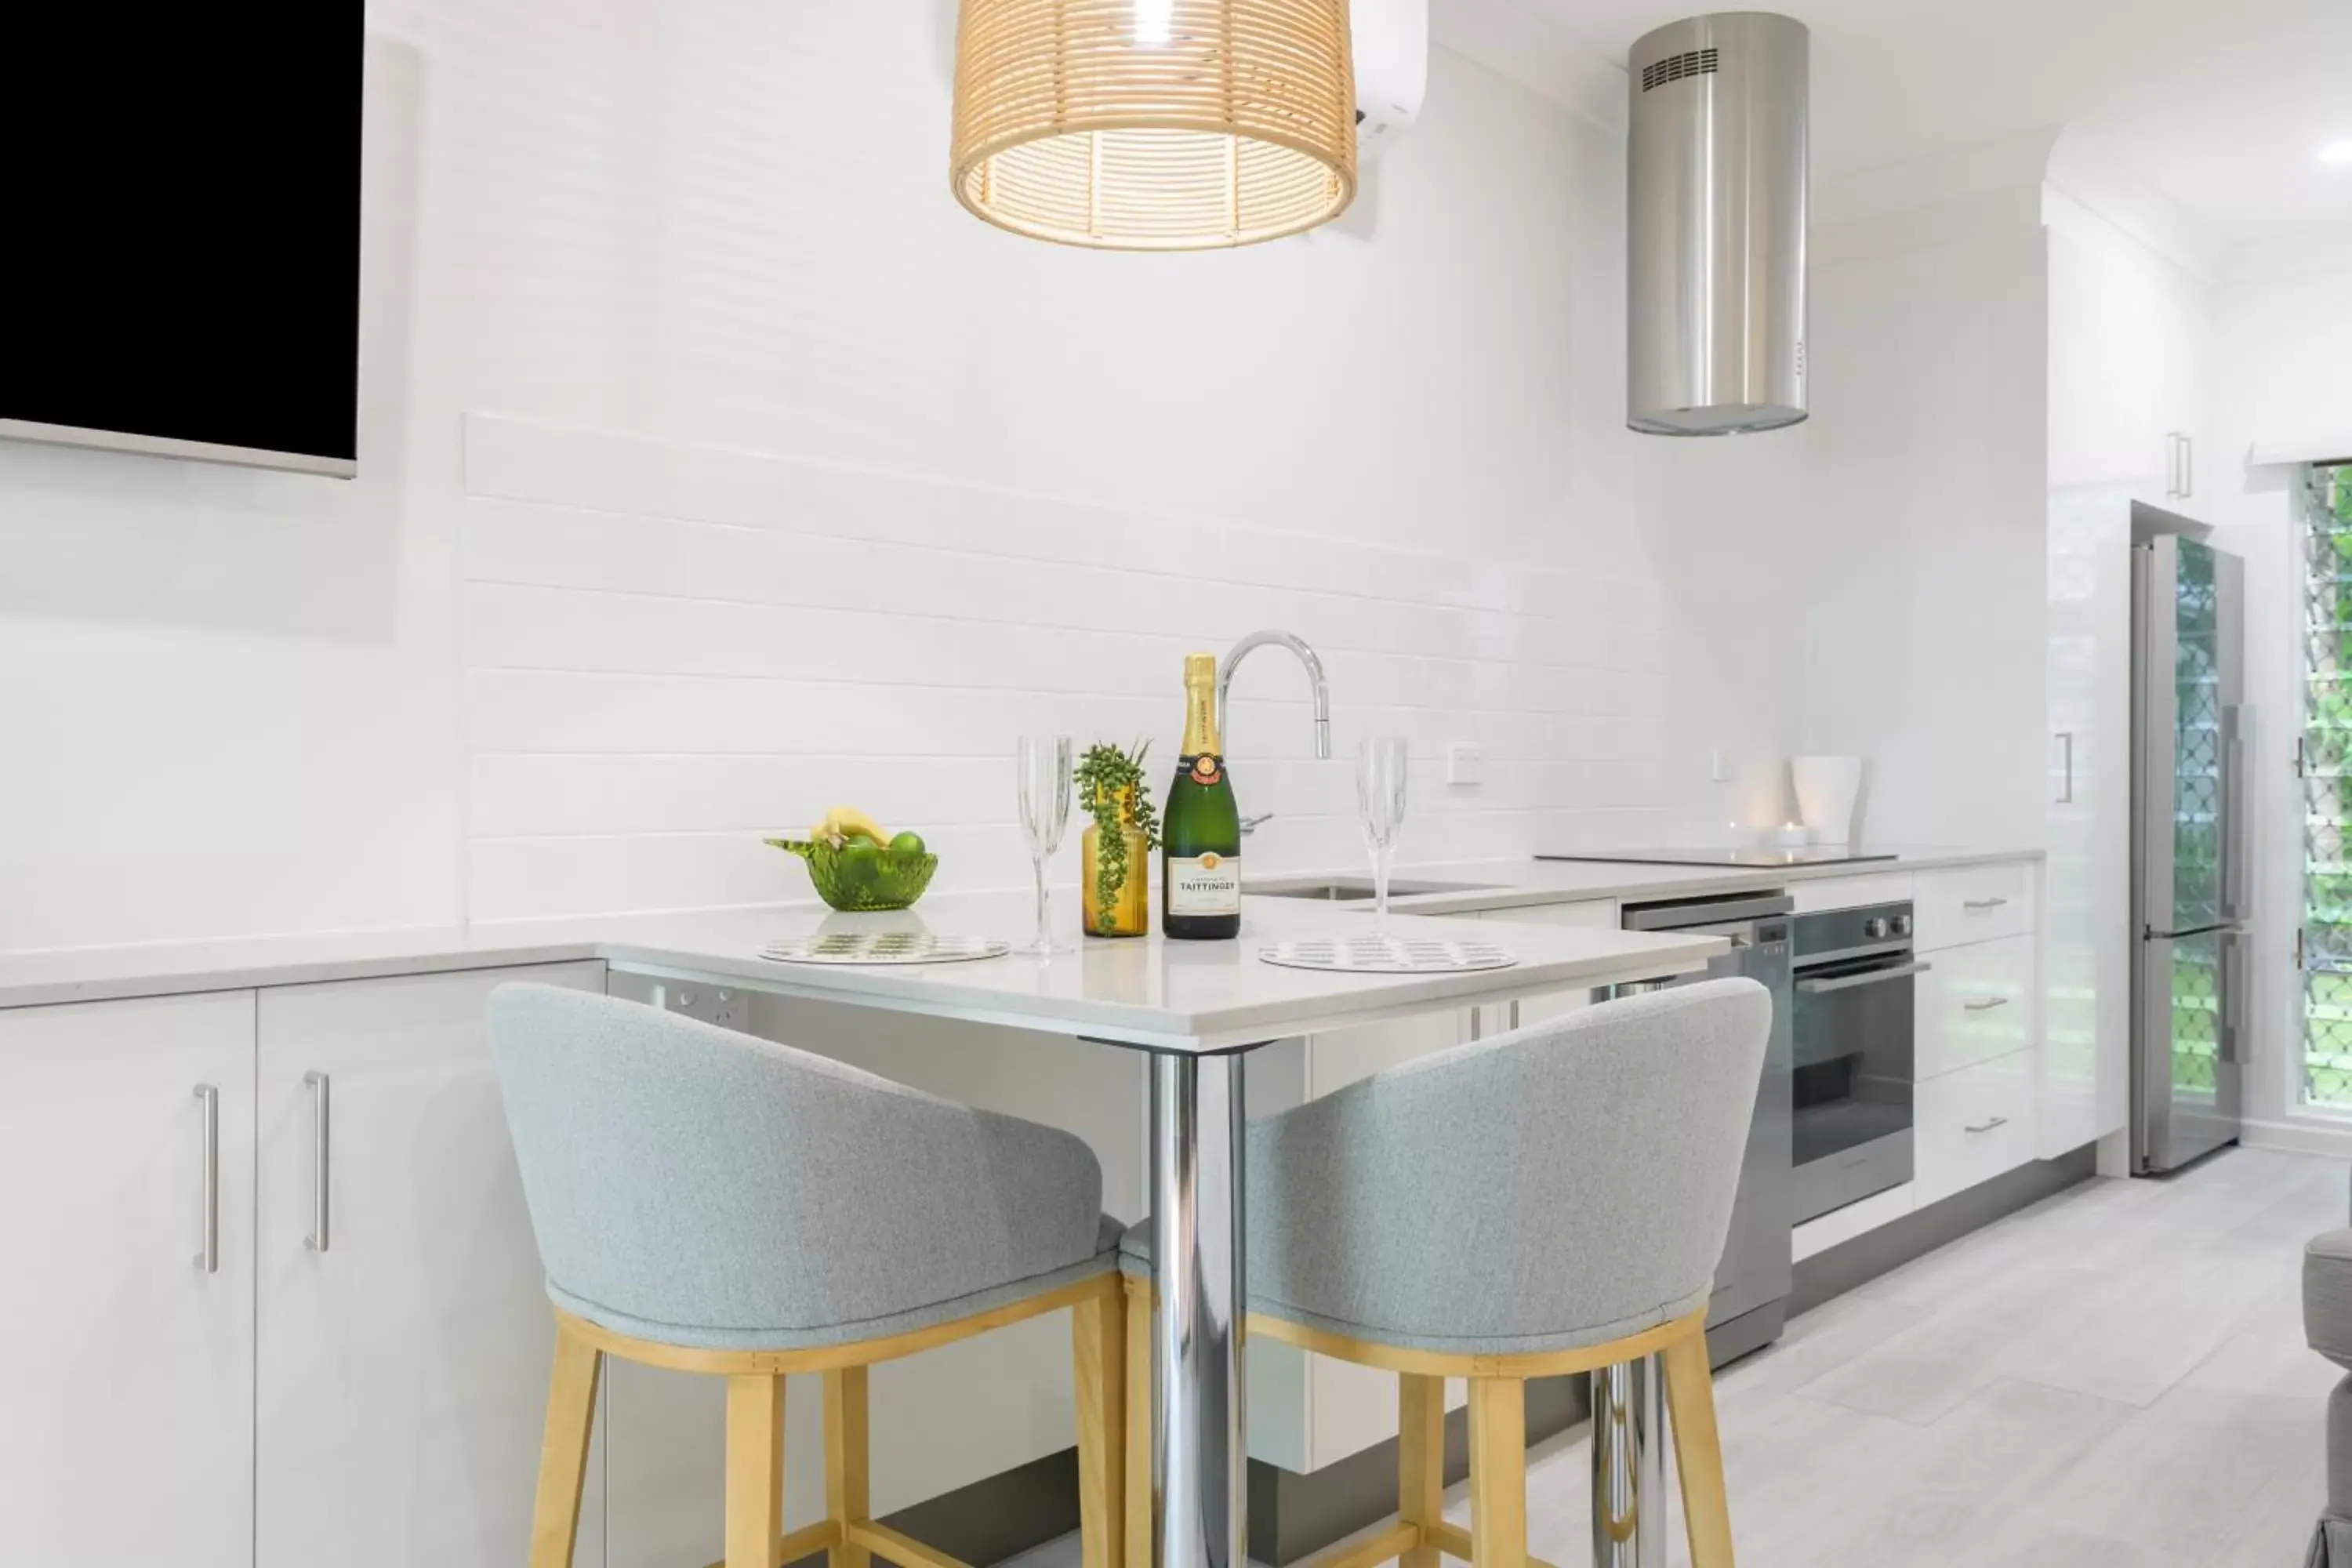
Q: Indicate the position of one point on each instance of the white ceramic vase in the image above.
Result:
(1827, 791)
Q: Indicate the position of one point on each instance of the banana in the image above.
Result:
(845, 821)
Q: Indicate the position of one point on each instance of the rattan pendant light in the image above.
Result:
(1154, 124)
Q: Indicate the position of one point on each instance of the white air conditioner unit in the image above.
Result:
(1392, 44)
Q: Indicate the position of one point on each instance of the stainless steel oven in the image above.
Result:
(1853, 1085)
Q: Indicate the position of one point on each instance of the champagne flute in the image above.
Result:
(1379, 810)
(1044, 768)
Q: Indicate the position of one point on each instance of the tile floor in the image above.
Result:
(2115, 1376)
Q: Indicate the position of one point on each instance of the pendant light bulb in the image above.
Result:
(1154, 124)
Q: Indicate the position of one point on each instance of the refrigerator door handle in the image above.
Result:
(2237, 851)
(2234, 998)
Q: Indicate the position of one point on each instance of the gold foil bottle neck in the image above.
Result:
(1200, 669)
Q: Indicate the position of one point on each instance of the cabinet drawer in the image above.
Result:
(1972, 904)
(1851, 892)
(1974, 1124)
(1974, 1003)
(1593, 914)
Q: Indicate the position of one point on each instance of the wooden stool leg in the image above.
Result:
(1698, 1450)
(755, 1469)
(1421, 1460)
(564, 1449)
(1098, 1356)
(1138, 1422)
(1498, 1473)
(847, 1444)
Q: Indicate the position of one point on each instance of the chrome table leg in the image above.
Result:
(1629, 1467)
(1198, 1459)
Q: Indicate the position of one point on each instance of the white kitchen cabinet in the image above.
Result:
(1974, 1003)
(1972, 1125)
(1589, 914)
(2085, 892)
(2127, 333)
(403, 1327)
(127, 1364)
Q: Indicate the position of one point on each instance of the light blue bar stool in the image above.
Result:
(710, 1201)
(1551, 1200)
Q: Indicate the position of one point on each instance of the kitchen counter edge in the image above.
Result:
(131, 972)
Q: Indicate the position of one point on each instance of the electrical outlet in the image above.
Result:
(1465, 763)
(722, 1004)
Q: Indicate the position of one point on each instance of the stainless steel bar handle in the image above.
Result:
(1987, 1126)
(208, 1255)
(2234, 999)
(2187, 465)
(1982, 904)
(2066, 789)
(321, 1125)
(1874, 977)
(1987, 1005)
(2235, 851)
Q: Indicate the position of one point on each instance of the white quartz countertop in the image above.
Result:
(1529, 882)
(1145, 991)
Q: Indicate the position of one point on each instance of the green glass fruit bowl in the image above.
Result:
(863, 876)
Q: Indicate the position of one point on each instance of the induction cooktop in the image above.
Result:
(1813, 855)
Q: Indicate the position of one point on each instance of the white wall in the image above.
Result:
(229, 703)
(720, 234)
(1880, 593)
(2283, 335)
(1926, 547)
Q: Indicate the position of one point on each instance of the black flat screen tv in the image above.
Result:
(180, 230)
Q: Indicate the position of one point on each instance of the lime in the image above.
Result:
(906, 844)
(861, 859)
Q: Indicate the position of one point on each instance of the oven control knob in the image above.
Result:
(1874, 928)
(1902, 925)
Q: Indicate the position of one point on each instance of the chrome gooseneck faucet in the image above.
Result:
(1307, 657)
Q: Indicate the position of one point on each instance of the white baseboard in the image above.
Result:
(2330, 1138)
(1843, 1225)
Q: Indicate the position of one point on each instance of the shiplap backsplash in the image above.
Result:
(670, 650)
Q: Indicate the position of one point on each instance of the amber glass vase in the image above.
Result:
(1128, 911)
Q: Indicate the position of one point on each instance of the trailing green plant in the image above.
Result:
(1107, 776)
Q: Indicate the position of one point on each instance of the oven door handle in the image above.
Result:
(1870, 977)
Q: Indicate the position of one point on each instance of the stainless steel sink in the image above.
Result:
(1355, 889)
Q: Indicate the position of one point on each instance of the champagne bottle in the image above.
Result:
(1201, 832)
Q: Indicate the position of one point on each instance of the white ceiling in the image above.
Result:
(2222, 105)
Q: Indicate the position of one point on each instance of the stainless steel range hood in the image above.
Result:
(1716, 280)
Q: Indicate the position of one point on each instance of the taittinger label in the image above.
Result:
(1204, 885)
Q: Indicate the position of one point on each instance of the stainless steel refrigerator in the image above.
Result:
(2191, 839)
